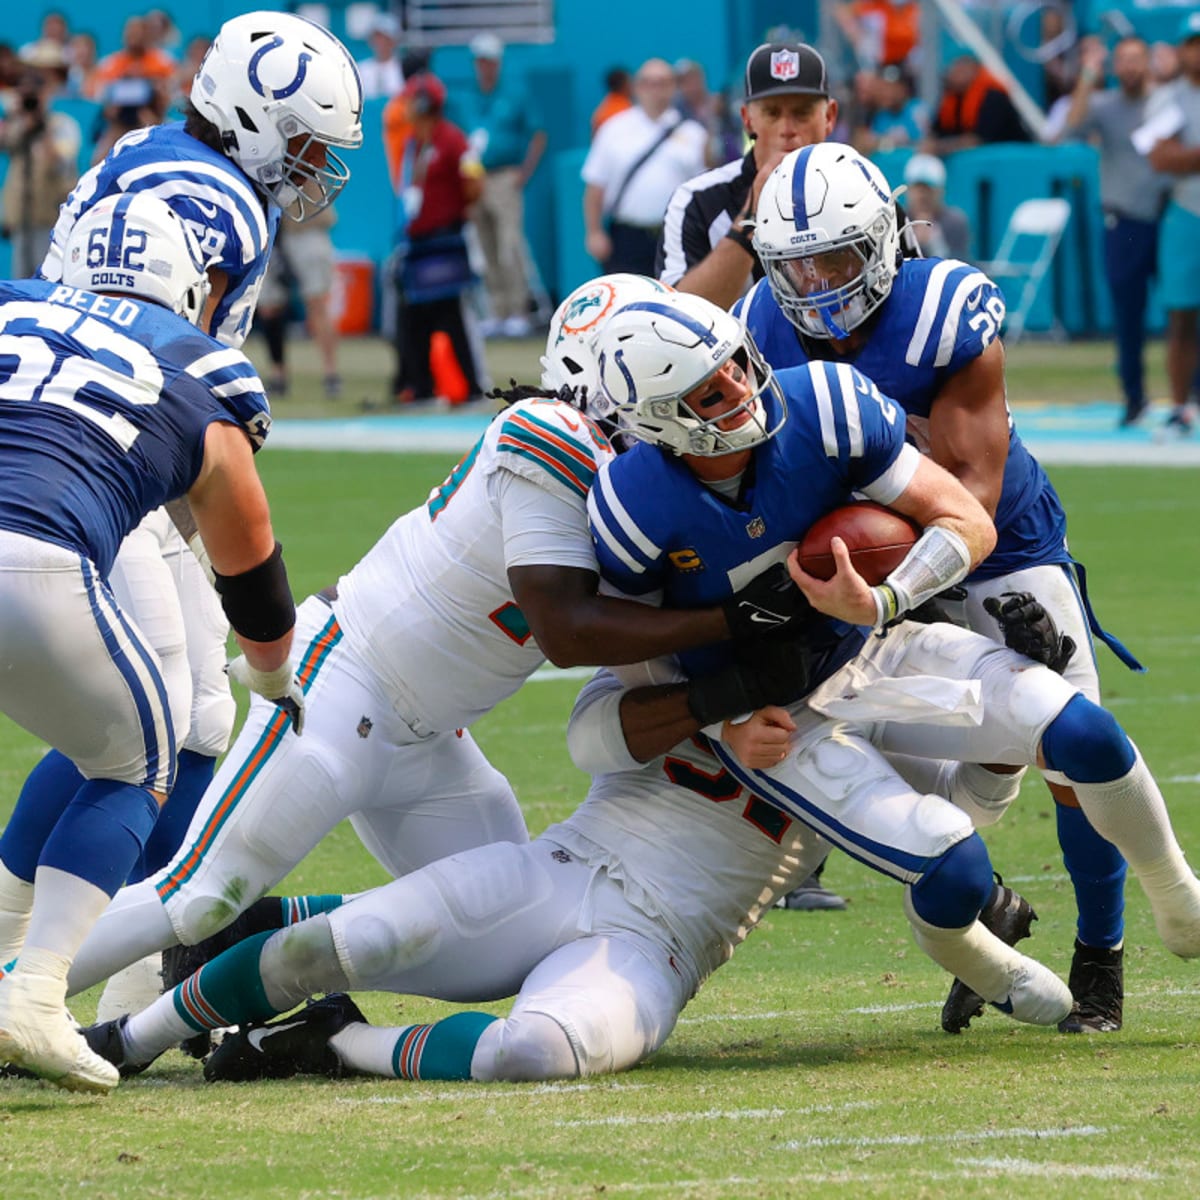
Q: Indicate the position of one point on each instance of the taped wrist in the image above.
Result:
(271, 685)
(258, 603)
(939, 559)
(744, 238)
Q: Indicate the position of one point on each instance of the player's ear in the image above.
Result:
(746, 123)
(831, 116)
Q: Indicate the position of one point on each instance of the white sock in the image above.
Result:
(366, 1048)
(155, 1030)
(16, 903)
(65, 907)
(133, 925)
(1130, 812)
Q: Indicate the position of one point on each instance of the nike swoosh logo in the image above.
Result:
(762, 618)
(256, 1037)
(209, 210)
(571, 425)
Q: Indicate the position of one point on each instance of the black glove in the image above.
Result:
(768, 603)
(775, 672)
(1030, 630)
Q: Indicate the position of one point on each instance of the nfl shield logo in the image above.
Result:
(785, 64)
(757, 527)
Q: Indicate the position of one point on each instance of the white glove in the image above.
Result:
(279, 686)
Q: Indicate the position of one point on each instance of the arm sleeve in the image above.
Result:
(541, 526)
(595, 739)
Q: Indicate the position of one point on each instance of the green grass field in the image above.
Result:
(812, 1064)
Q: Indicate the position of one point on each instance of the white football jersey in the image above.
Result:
(430, 605)
(689, 844)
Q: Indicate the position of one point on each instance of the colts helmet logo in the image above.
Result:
(288, 89)
(785, 64)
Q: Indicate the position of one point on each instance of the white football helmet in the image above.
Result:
(652, 353)
(825, 231)
(568, 361)
(270, 77)
(135, 243)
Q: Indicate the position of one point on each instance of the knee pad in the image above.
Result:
(1086, 744)
(954, 890)
(526, 1048)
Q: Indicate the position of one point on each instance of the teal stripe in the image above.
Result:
(513, 430)
(579, 487)
(453, 482)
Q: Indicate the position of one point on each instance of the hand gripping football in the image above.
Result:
(877, 538)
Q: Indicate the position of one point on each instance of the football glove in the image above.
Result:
(279, 686)
(775, 672)
(1030, 630)
(768, 603)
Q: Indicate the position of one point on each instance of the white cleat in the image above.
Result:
(131, 990)
(1036, 995)
(36, 1033)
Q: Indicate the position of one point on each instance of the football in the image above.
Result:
(877, 538)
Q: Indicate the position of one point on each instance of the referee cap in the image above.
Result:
(785, 68)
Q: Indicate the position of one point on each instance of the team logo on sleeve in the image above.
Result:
(757, 527)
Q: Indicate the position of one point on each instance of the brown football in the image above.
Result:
(877, 538)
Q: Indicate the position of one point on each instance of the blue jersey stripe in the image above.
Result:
(799, 179)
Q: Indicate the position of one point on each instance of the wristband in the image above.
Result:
(742, 238)
(887, 607)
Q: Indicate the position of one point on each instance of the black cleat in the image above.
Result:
(181, 962)
(1097, 981)
(812, 896)
(1007, 915)
(104, 1039)
(294, 1045)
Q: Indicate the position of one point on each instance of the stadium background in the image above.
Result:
(562, 49)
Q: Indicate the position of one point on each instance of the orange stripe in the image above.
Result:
(554, 438)
(561, 467)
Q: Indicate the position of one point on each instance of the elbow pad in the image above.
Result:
(258, 603)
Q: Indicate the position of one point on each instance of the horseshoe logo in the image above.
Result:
(277, 93)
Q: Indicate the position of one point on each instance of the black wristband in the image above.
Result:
(713, 698)
(258, 602)
(742, 238)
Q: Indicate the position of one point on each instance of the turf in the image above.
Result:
(813, 1063)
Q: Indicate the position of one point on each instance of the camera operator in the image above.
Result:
(43, 151)
(129, 104)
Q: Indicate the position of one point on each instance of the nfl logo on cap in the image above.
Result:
(785, 64)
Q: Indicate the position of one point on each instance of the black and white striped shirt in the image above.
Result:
(700, 214)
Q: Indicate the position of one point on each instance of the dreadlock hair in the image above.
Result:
(517, 392)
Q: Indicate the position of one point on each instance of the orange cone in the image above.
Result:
(448, 377)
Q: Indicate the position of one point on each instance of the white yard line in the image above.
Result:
(1025, 1167)
(725, 1114)
(932, 1139)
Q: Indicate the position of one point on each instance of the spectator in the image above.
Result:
(185, 72)
(636, 162)
(54, 37)
(940, 230)
(162, 33)
(618, 96)
(129, 103)
(881, 32)
(695, 101)
(43, 153)
(138, 58)
(439, 178)
(303, 259)
(506, 133)
(1131, 195)
(381, 74)
(705, 245)
(82, 57)
(974, 110)
(1173, 112)
(900, 119)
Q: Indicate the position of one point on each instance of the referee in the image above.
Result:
(705, 245)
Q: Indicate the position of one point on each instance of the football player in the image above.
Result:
(926, 333)
(274, 99)
(112, 405)
(458, 603)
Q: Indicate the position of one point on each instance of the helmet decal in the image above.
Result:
(277, 93)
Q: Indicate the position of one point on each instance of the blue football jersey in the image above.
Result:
(941, 314)
(104, 403)
(234, 225)
(659, 531)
